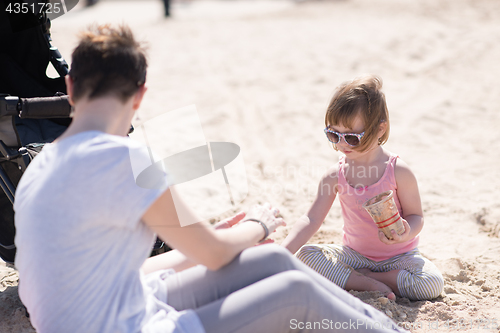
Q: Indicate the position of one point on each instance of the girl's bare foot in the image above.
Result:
(358, 280)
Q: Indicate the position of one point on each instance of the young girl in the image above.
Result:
(357, 123)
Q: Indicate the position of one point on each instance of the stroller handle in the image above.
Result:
(35, 108)
(45, 107)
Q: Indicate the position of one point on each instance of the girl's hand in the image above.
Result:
(404, 237)
(267, 214)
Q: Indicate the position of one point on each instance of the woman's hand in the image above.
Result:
(267, 214)
(404, 237)
(230, 221)
(233, 220)
(264, 213)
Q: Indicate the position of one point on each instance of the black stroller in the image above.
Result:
(34, 109)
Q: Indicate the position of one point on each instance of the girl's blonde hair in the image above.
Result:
(361, 96)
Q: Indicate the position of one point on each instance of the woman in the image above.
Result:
(85, 229)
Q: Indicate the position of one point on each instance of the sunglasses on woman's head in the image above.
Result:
(352, 139)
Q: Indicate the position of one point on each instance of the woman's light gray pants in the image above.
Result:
(266, 290)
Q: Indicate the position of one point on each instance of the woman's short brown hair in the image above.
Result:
(361, 96)
(107, 61)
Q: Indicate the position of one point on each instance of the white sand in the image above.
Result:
(261, 74)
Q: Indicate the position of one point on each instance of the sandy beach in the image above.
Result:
(261, 74)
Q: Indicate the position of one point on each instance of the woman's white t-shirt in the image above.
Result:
(80, 241)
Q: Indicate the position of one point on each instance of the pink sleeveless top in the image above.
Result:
(360, 232)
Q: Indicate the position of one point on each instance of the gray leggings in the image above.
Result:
(266, 289)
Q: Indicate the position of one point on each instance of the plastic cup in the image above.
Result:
(385, 214)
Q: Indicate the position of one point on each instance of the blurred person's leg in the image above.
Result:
(166, 4)
(91, 2)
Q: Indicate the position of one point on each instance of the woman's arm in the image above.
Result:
(409, 197)
(171, 259)
(307, 225)
(199, 242)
